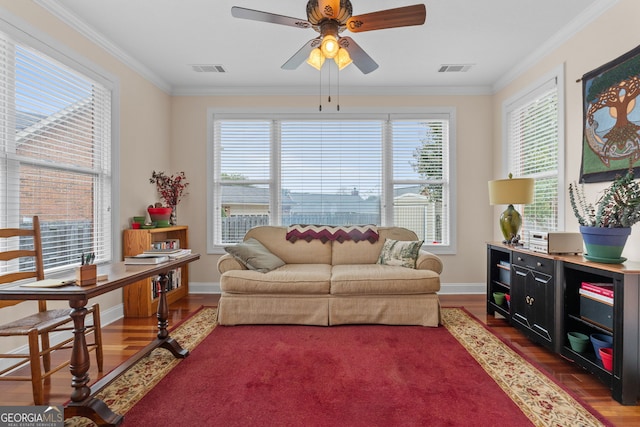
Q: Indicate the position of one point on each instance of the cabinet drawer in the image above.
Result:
(531, 262)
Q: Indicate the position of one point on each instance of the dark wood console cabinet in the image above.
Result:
(533, 297)
(545, 305)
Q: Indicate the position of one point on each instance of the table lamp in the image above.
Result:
(511, 191)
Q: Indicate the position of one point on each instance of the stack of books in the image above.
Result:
(171, 253)
(156, 256)
(602, 292)
(146, 259)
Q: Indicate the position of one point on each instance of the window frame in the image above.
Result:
(524, 97)
(37, 40)
(213, 161)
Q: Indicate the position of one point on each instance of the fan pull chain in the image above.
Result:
(320, 91)
(329, 98)
(338, 90)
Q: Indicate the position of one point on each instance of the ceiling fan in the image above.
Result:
(330, 18)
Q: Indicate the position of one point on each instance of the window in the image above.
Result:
(55, 153)
(334, 170)
(533, 123)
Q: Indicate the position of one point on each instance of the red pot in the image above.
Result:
(159, 214)
(607, 358)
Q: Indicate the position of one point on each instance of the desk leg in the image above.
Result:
(163, 315)
(80, 363)
(81, 404)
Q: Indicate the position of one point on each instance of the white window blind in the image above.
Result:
(533, 135)
(55, 154)
(420, 171)
(340, 171)
(243, 179)
(330, 172)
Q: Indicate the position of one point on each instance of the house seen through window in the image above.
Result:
(344, 171)
(55, 154)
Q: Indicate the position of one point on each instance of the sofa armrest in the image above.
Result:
(226, 263)
(428, 261)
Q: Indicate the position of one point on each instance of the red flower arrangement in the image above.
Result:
(171, 188)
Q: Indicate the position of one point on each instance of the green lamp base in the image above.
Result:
(510, 223)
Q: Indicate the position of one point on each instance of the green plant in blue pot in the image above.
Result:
(606, 225)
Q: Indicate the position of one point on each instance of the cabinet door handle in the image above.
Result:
(519, 258)
(526, 299)
(539, 264)
(531, 300)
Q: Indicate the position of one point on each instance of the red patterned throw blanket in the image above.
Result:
(326, 233)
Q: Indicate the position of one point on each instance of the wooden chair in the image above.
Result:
(37, 327)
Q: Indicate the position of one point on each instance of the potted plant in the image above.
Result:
(606, 225)
(171, 188)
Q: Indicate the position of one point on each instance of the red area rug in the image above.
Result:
(355, 376)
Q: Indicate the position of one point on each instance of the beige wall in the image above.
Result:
(604, 40)
(473, 168)
(144, 123)
(167, 133)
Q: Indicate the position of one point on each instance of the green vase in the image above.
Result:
(510, 223)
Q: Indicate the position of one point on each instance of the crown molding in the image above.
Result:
(344, 91)
(586, 17)
(63, 14)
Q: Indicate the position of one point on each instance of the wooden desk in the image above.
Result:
(119, 275)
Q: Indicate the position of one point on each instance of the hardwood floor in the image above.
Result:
(125, 337)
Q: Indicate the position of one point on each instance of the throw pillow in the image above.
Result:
(252, 254)
(399, 252)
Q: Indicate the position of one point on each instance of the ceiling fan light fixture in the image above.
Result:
(329, 8)
(329, 46)
(342, 59)
(316, 59)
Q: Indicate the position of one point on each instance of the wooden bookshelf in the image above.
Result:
(138, 297)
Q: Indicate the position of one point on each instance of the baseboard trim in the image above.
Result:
(462, 288)
(204, 288)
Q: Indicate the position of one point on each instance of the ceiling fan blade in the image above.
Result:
(390, 18)
(359, 57)
(301, 55)
(256, 15)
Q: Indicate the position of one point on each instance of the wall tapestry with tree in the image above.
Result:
(611, 118)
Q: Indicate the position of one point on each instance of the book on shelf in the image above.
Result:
(174, 281)
(146, 259)
(595, 296)
(605, 289)
(165, 245)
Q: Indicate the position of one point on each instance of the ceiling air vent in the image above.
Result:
(454, 68)
(208, 68)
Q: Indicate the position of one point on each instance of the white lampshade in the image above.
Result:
(329, 46)
(512, 191)
(342, 59)
(316, 59)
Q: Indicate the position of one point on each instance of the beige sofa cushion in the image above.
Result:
(254, 256)
(300, 252)
(376, 279)
(289, 279)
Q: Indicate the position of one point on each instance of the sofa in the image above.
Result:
(320, 281)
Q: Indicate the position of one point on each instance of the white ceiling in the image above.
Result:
(162, 39)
